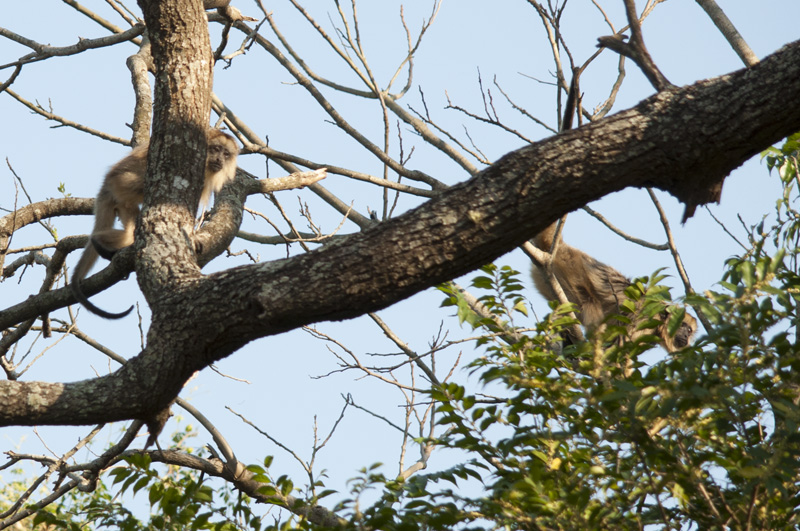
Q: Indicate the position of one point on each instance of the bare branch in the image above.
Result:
(95, 17)
(38, 109)
(724, 24)
(636, 49)
(249, 136)
(290, 182)
(644, 243)
(44, 51)
(140, 64)
(687, 285)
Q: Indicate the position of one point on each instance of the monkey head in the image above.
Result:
(219, 153)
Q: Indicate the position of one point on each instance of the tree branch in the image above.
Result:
(683, 140)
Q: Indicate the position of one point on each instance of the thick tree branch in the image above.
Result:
(683, 140)
(215, 235)
(10, 223)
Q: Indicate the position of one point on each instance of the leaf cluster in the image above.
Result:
(609, 434)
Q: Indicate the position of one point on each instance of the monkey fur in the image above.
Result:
(594, 287)
(597, 290)
(121, 194)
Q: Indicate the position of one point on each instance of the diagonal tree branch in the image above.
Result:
(683, 140)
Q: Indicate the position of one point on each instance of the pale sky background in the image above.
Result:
(505, 41)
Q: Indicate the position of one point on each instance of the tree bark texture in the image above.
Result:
(181, 50)
(684, 141)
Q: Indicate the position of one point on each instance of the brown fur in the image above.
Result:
(121, 194)
(597, 290)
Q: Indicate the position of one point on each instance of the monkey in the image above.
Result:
(597, 290)
(121, 194)
(594, 287)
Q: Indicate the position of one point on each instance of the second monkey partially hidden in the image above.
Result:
(121, 194)
(597, 290)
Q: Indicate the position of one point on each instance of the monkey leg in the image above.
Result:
(108, 242)
(103, 251)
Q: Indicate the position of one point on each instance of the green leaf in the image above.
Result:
(141, 484)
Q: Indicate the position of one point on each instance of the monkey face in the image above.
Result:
(685, 333)
(217, 158)
(221, 157)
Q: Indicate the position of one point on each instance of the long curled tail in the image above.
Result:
(105, 214)
(77, 292)
(87, 260)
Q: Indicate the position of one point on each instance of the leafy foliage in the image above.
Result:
(598, 437)
(179, 499)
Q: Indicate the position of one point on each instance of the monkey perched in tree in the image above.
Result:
(597, 290)
(594, 287)
(122, 192)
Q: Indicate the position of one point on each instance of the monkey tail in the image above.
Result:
(87, 260)
(104, 216)
(77, 292)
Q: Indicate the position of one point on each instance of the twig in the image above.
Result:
(726, 27)
(43, 51)
(636, 49)
(687, 285)
(403, 346)
(274, 441)
(390, 99)
(352, 174)
(620, 232)
(244, 130)
(338, 119)
(724, 228)
(95, 17)
(8, 82)
(38, 109)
